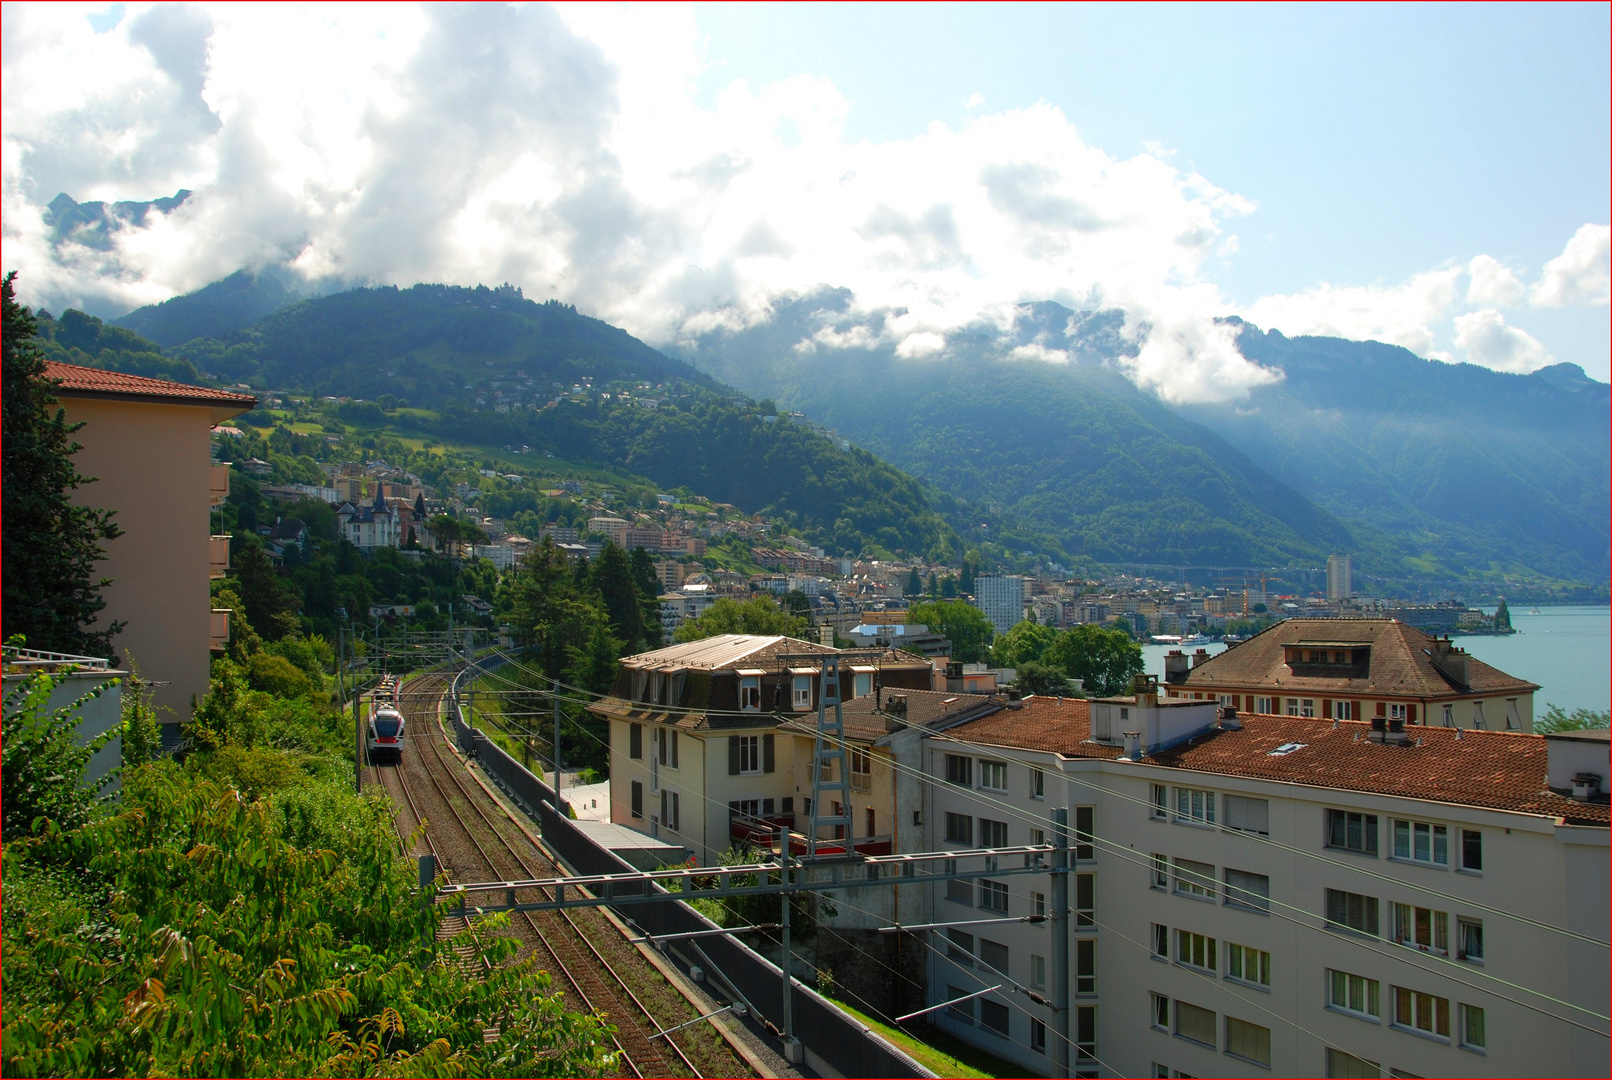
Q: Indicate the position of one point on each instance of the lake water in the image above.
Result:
(1566, 650)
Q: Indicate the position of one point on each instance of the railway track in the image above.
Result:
(566, 948)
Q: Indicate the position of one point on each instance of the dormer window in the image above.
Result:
(750, 693)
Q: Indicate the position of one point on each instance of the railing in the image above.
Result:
(31, 660)
(218, 629)
(217, 556)
(759, 832)
(218, 483)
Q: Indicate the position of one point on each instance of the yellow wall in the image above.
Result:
(151, 464)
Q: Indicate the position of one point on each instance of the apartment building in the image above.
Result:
(711, 741)
(1357, 669)
(1001, 597)
(149, 444)
(1271, 895)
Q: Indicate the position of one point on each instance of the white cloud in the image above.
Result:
(1402, 314)
(1492, 283)
(1490, 342)
(1582, 274)
(1037, 351)
(563, 149)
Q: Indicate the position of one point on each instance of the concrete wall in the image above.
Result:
(96, 716)
(151, 464)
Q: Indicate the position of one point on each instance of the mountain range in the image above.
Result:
(1431, 475)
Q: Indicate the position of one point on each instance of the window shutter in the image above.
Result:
(635, 741)
(1248, 889)
(766, 753)
(733, 755)
(1410, 714)
(1250, 815)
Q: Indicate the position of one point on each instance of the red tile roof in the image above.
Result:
(1401, 664)
(98, 381)
(1497, 770)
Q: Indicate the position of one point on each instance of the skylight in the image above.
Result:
(1287, 748)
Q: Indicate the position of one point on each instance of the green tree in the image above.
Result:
(1557, 718)
(1023, 643)
(728, 616)
(612, 574)
(270, 604)
(51, 594)
(1502, 616)
(141, 740)
(915, 584)
(43, 761)
(967, 627)
(1045, 680)
(1104, 659)
(798, 604)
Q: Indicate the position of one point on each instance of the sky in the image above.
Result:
(1431, 176)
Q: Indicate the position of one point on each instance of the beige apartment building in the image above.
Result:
(148, 444)
(1356, 669)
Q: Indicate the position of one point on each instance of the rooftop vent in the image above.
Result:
(1586, 786)
(1286, 749)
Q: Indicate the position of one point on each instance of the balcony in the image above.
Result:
(217, 556)
(217, 483)
(218, 629)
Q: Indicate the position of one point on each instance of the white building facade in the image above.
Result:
(1001, 597)
(1279, 897)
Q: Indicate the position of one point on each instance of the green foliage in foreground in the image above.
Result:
(1105, 659)
(1557, 719)
(41, 747)
(967, 627)
(197, 931)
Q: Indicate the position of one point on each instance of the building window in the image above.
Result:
(959, 829)
(861, 769)
(1196, 950)
(1345, 710)
(1161, 871)
(1449, 716)
(993, 775)
(1194, 805)
(1194, 1023)
(1347, 1065)
(862, 685)
(1307, 707)
(1292, 706)
(1038, 904)
(803, 692)
(1421, 1012)
(1469, 939)
(1037, 837)
(993, 896)
(960, 947)
(1472, 1034)
(994, 955)
(749, 750)
(1085, 1038)
(959, 770)
(1038, 971)
(1161, 801)
(1265, 706)
(994, 1015)
(637, 799)
(1249, 890)
(750, 693)
(1038, 784)
(1471, 849)
(1085, 834)
(1352, 911)
(671, 813)
(635, 741)
(1038, 1036)
(1477, 716)
(1420, 841)
(1397, 711)
(963, 1011)
(1422, 928)
(1161, 1012)
(1194, 879)
(1352, 832)
(1248, 815)
(1353, 994)
(1085, 900)
(1248, 1041)
(993, 833)
(1086, 966)
(871, 822)
(1160, 1071)
(1248, 965)
(960, 892)
(1161, 941)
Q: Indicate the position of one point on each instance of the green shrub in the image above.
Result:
(278, 676)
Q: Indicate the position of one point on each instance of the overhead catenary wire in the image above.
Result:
(1125, 853)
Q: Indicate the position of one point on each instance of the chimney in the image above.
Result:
(1586, 786)
(1451, 660)
(1133, 745)
(954, 678)
(1176, 666)
(1199, 657)
(1228, 718)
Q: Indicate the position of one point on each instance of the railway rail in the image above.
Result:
(570, 951)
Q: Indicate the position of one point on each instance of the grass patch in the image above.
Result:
(937, 1051)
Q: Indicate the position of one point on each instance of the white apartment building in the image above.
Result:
(1001, 597)
(1340, 573)
(1276, 896)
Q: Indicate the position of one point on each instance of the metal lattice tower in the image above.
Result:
(828, 749)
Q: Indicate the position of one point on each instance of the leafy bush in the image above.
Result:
(43, 760)
(278, 676)
(1557, 718)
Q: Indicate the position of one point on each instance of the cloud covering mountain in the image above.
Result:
(566, 150)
